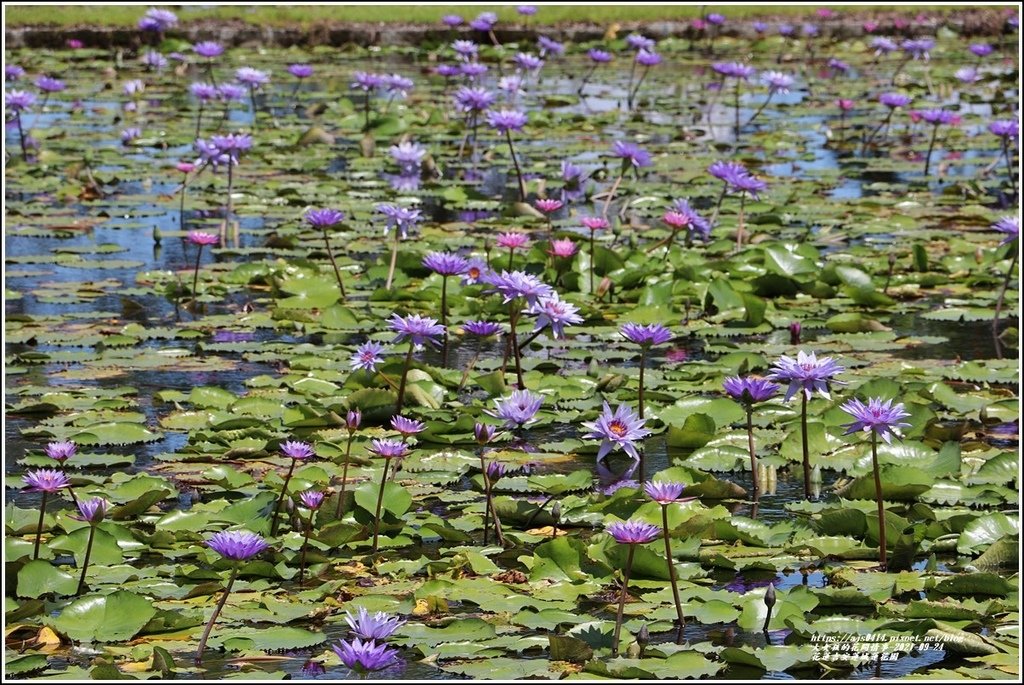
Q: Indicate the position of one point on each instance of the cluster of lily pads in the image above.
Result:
(549, 324)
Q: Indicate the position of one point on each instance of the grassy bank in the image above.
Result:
(121, 15)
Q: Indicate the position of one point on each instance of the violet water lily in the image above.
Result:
(401, 219)
(748, 391)
(386, 449)
(377, 626)
(1008, 131)
(880, 418)
(47, 482)
(646, 336)
(364, 657)
(597, 58)
(621, 429)
(17, 102)
(235, 546)
(353, 419)
(323, 219)
(92, 511)
(806, 374)
(647, 59)
(777, 83)
(666, 493)
(419, 330)
(633, 157)
(1009, 226)
(633, 532)
(517, 288)
(445, 264)
(311, 500)
(518, 410)
(505, 121)
(254, 80)
(296, 451)
(935, 117)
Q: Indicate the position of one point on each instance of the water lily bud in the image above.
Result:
(769, 597)
(556, 511)
(353, 419)
(794, 333)
(157, 235)
(643, 636)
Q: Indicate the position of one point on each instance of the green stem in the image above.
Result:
(85, 563)
(39, 526)
(394, 260)
(330, 255)
(1002, 292)
(344, 476)
(592, 262)
(380, 500)
(195, 276)
(931, 145)
(622, 601)
(514, 321)
(804, 444)
(515, 163)
(213, 618)
(280, 499)
(753, 454)
(643, 363)
(305, 545)
(611, 194)
(878, 496)
(405, 373)
(672, 570)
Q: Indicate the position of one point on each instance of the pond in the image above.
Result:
(179, 314)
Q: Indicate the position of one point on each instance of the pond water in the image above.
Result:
(101, 283)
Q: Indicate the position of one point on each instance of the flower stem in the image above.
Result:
(199, 118)
(213, 618)
(330, 255)
(380, 500)
(305, 545)
(405, 373)
(1002, 292)
(85, 562)
(586, 79)
(878, 496)
(643, 363)
(760, 109)
(640, 82)
(753, 454)
(515, 163)
(195, 276)
(39, 526)
(629, 86)
(806, 448)
(513, 317)
(672, 570)
(394, 260)
(622, 601)
(21, 138)
(344, 476)
(611, 194)
(280, 499)
(931, 145)
(252, 100)
(592, 256)
(1009, 165)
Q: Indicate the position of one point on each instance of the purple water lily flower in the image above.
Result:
(518, 284)
(419, 329)
(482, 329)
(528, 62)
(484, 433)
(61, 451)
(919, 48)
(981, 49)
(236, 545)
(378, 626)
(48, 84)
(484, 21)
(716, 19)
(208, 49)
(1010, 227)
(470, 100)
(386, 448)
(549, 46)
(18, 101)
(883, 46)
(631, 154)
(158, 20)
(364, 657)
(646, 58)
(324, 218)
(736, 70)
(403, 218)
(473, 70)
(506, 120)
(1005, 128)
(397, 85)
(446, 263)
(365, 81)
(231, 92)
(617, 430)
(295, 449)
(639, 42)
(749, 389)
(300, 71)
(748, 184)
(878, 416)
(633, 532)
(556, 313)
(646, 335)
(517, 410)
(406, 426)
(204, 92)
(92, 511)
(894, 100)
(599, 56)
(526, 10)
(967, 75)
(696, 225)
(253, 78)
(452, 20)
(665, 492)
(311, 499)
(367, 356)
(45, 480)
(807, 373)
(477, 271)
(727, 171)
(777, 82)
(13, 72)
(130, 134)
